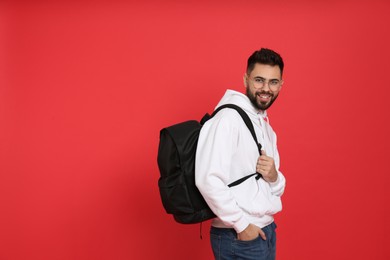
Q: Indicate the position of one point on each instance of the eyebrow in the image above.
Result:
(259, 77)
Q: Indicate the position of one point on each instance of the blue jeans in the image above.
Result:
(226, 246)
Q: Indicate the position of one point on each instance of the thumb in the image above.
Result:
(263, 152)
(262, 234)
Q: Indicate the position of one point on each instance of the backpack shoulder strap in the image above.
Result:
(244, 117)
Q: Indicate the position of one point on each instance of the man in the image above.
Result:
(244, 227)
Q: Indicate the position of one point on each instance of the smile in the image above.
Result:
(264, 97)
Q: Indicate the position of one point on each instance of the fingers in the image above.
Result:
(266, 167)
(264, 164)
(250, 233)
(264, 158)
(262, 168)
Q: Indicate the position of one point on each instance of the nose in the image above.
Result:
(265, 86)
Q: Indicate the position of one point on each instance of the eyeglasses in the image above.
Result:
(260, 82)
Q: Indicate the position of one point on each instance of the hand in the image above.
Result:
(266, 166)
(250, 233)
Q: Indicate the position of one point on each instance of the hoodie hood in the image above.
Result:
(241, 100)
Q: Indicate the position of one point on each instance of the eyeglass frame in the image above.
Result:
(265, 81)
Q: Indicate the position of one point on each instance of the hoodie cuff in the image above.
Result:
(240, 225)
(275, 183)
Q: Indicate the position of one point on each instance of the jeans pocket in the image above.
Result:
(256, 241)
(251, 249)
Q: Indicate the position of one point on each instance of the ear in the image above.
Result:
(245, 79)
(281, 84)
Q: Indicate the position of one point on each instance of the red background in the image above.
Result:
(86, 87)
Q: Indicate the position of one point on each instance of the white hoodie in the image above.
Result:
(226, 152)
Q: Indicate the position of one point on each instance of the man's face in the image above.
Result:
(263, 85)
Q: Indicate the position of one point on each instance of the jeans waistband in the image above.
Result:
(233, 231)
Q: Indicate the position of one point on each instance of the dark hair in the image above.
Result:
(265, 56)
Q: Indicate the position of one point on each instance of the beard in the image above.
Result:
(257, 103)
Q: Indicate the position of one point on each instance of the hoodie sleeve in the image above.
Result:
(216, 145)
(277, 187)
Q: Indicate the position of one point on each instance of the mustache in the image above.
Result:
(264, 92)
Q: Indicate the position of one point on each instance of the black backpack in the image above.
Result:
(176, 162)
